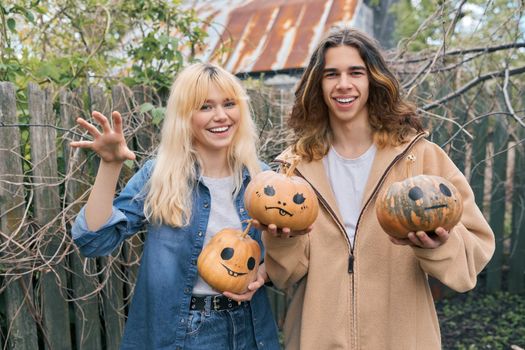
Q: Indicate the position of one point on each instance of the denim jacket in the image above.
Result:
(168, 269)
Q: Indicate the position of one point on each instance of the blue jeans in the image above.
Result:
(220, 330)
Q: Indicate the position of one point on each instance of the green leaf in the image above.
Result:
(158, 115)
(41, 9)
(128, 163)
(11, 24)
(48, 70)
(29, 16)
(146, 107)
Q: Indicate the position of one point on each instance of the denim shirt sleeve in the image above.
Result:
(126, 219)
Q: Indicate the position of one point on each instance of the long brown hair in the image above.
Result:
(392, 117)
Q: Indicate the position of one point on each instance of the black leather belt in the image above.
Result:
(217, 302)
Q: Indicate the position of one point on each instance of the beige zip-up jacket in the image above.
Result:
(373, 294)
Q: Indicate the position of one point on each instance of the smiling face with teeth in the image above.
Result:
(214, 125)
(345, 87)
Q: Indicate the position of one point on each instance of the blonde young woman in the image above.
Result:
(192, 189)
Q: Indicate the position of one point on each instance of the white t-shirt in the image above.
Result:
(222, 215)
(348, 179)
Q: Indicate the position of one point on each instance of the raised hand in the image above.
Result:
(109, 144)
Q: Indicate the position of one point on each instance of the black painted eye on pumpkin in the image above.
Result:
(298, 198)
(445, 190)
(415, 193)
(269, 191)
(250, 263)
(227, 253)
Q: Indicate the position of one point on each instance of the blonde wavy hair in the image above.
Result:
(169, 190)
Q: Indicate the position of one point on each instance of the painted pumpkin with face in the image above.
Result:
(419, 203)
(281, 199)
(230, 260)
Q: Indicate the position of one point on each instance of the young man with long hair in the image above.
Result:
(355, 287)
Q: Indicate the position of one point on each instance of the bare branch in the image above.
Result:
(463, 52)
(470, 85)
(507, 99)
(4, 125)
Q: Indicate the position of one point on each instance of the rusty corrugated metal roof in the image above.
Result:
(269, 35)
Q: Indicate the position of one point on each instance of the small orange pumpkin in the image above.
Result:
(230, 260)
(281, 199)
(419, 203)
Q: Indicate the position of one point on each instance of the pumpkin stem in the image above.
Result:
(292, 167)
(247, 229)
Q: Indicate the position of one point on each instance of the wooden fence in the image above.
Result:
(52, 298)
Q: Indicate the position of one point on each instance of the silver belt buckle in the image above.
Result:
(216, 305)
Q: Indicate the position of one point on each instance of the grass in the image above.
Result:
(479, 320)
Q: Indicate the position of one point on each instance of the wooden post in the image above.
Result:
(87, 320)
(517, 250)
(21, 328)
(46, 211)
(478, 164)
(497, 205)
(112, 292)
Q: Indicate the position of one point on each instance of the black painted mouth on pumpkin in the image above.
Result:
(233, 273)
(437, 206)
(282, 212)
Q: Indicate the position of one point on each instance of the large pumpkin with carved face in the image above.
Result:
(230, 260)
(281, 199)
(419, 203)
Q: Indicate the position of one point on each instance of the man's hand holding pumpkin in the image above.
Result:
(421, 239)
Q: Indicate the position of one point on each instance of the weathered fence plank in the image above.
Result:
(83, 277)
(55, 310)
(18, 294)
(517, 251)
(122, 97)
(112, 292)
(478, 163)
(438, 123)
(144, 137)
(459, 143)
(497, 203)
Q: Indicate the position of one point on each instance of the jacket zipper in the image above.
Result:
(374, 193)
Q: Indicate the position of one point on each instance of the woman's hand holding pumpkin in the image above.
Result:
(109, 144)
(262, 278)
(421, 239)
(285, 232)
